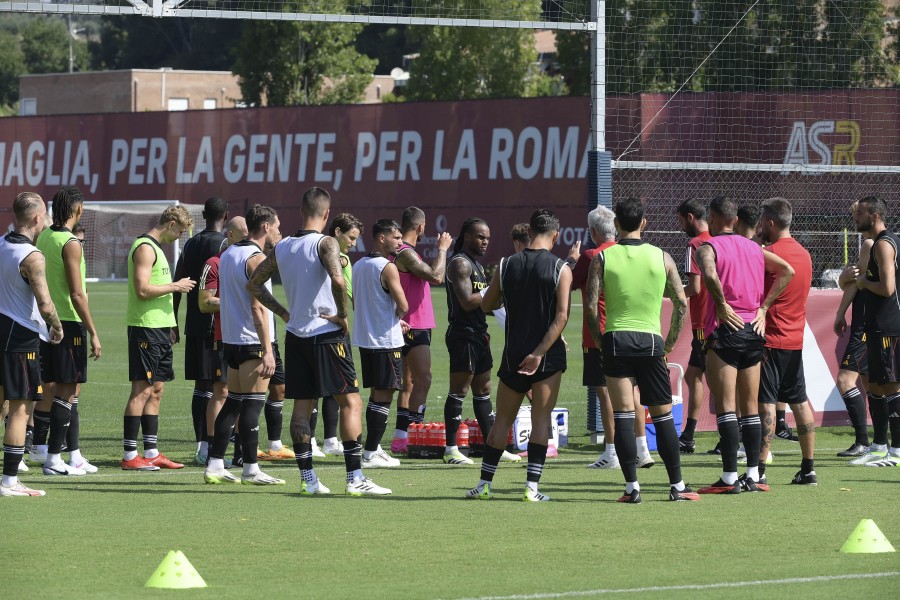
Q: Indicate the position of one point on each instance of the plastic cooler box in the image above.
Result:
(559, 424)
(677, 407)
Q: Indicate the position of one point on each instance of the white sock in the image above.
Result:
(203, 450)
(152, 453)
(368, 454)
(399, 434)
(76, 457)
(679, 487)
(894, 451)
(753, 473)
(610, 450)
(729, 478)
(215, 464)
(642, 448)
(53, 459)
(532, 485)
(250, 469)
(357, 475)
(451, 449)
(482, 483)
(41, 449)
(331, 441)
(130, 455)
(9, 481)
(872, 448)
(630, 486)
(277, 445)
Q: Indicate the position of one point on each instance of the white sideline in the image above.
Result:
(675, 588)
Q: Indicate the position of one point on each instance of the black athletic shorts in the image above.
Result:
(236, 354)
(856, 355)
(278, 377)
(321, 365)
(884, 358)
(522, 383)
(66, 362)
(782, 379)
(149, 359)
(470, 352)
(415, 337)
(203, 358)
(741, 349)
(381, 368)
(698, 353)
(639, 355)
(20, 374)
(592, 375)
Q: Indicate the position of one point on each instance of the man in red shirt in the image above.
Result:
(782, 377)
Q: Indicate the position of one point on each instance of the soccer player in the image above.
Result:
(692, 220)
(634, 276)
(882, 326)
(782, 377)
(199, 355)
(534, 286)
(248, 330)
(854, 367)
(734, 269)
(65, 364)
(152, 329)
(521, 237)
(318, 357)
(416, 277)
(378, 333)
(25, 309)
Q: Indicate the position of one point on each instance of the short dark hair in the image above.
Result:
(412, 218)
(520, 233)
(316, 202)
(543, 221)
(876, 206)
(64, 202)
(384, 226)
(215, 209)
(630, 213)
(693, 206)
(257, 216)
(724, 207)
(779, 210)
(748, 214)
(345, 222)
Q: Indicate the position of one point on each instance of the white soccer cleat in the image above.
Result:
(605, 461)
(380, 459)
(366, 487)
(313, 488)
(23, 468)
(260, 478)
(62, 468)
(333, 448)
(868, 457)
(220, 476)
(315, 449)
(534, 496)
(84, 465)
(457, 458)
(510, 457)
(19, 489)
(645, 461)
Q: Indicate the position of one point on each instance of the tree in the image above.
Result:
(45, 46)
(12, 64)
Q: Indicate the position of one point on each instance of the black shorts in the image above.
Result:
(884, 358)
(698, 353)
(150, 362)
(469, 352)
(592, 375)
(741, 349)
(278, 377)
(856, 355)
(522, 383)
(415, 337)
(203, 359)
(651, 374)
(321, 365)
(782, 379)
(381, 368)
(236, 354)
(66, 362)
(20, 374)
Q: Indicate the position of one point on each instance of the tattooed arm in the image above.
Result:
(261, 321)
(725, 315)
(408, 260)
(330, 255)
(33, 268)
(459, 277)
(594, 287)
(675, 293)
(257, 286)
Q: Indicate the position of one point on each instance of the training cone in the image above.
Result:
(175, 572)
(867, 539)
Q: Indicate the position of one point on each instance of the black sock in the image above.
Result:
(198, 412)
(762, 470)
(131, 427)
(484, 414)
(667, 445)
(274, 412)
(537, 455)
(489, 462)
(779, 416)
(806, 465)
(402, 422)
(879, 412)
(12, 457)
(416, 417)
(74, 433)
(690, 427)
(224, 427)
(314, 419)
(60, 414)
(41, 427)
(376, 423)
(856, 410)
(728, 438)
(303, 452)
(453, 408)
(150, 428)
(751, 435)
(893, 406)
(330, 417)
(352, 457)
(626, 444)
(251, 408)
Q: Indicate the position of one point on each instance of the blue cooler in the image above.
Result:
(677, 407)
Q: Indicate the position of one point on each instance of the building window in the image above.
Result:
(209, 104)
(178, 104)
(27, 107)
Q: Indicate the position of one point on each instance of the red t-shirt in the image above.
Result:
(698, 302)
(209, 280)
(579, 281)
(786, 319)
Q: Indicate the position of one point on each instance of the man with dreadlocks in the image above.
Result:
(65, 364)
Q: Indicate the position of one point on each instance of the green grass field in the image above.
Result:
(101, 536)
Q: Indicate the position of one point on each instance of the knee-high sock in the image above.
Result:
(41, 427)
(12, 457)
(225, 425)
(352, 457)
(667, 445)
(251, 408)
(856, 410)
(275, 419)
(893, 404)
(60, 415)
(537, 456)
(453, 408)
(402, 422)
(198, 412)
(751, 435)
(130, 426)
(879, 413)
(150, 428)
(728, 435)
(314, 418)
(489, 462)
(73, 435)
(626, 444)
(330, 416)
(376, 423)
(484, 414)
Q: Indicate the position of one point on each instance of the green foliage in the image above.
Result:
(12, 64)
(45, 46)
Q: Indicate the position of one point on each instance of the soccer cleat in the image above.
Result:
(869, 456)
(645, 462)
(283, 453)
(201, 459)
(720, 487)
(457, 458)
(510, 457)
(84, 465)
(717, 450)
(260, 478)
(62, 468)
(633, 497)
(138, 463)
(316, 452)
(605, 462)
(236, 461)
(749, 485)
(853, 451)
(312, 488)
(23, 468)
(686, 446)
(534, 496)
(400, 446)
(784, 432)
(380, 459)
(216, 477)
(19, 489)
(552, 452)
(366, 487)
(162, 462)
(802, 478)
(336, 448)
(887, 462)
(685, 495)
(480, 492)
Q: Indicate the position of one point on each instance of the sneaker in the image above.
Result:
(23, 468)
(313, 488)
(784, 432)
(854, 450)
(62, 468)
(380, 459)
(749, 485)
(887, 462)
(283, 453)
(260, 478)
(802, 478)
(717, 450)
(400, 446)
(630, 498)
(216, 477)
(237, 461)
(162, 462)
(645, 462)
(37, 456)
(315, 449)
(605, 462)
(720, 487)
(868, 457)
(685, 495)
(84, 465)
(457, 458)
(138, 463)
(366, 487)
(510, 457)
(336, 448)
(480, 493)
(686, 446)
(19, 489)
(552, 452)
(534, 496)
